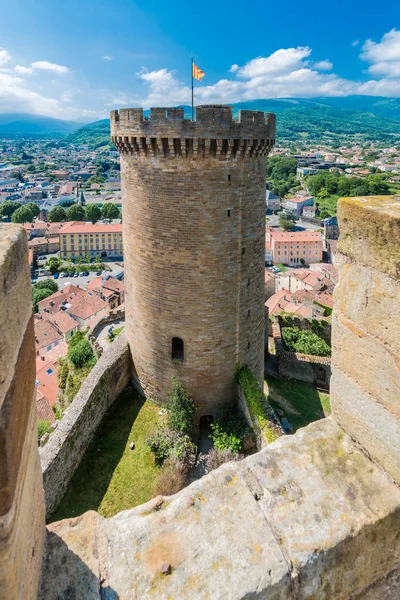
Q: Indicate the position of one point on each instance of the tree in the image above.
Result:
(8, 207)
(287, 221)
(92, 213)
(43, 427)
(35, 210)
(22, 215)
(76, 213)
(17, 175)
(181, 409)
(110, 211)
(67, 203)
(53, 263)
(81, 353)
(50, 284)
(57, 214)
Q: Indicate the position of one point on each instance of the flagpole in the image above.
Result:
(192, 92)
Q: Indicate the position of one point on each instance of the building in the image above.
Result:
(109, 289)
(84, 306)
(79, 238)
(296, 204)
(269, 283)
(194, 226)
(294, 247)
(272, 201)
(331, 228)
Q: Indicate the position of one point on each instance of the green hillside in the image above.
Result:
(318, 119)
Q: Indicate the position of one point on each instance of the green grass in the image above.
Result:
(115, 333)
(301, 402)
(281, 267)
(111, 476)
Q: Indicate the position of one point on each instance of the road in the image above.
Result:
(82, 281)
(274, 222)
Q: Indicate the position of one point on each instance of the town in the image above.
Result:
(68, 198)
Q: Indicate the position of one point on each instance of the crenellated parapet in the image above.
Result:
(214, 133)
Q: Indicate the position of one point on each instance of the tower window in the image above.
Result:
(229, 177)
(229, 213)
(248, 282)
(177, 352)
(248, 346)
(248, 313)
(243, 250)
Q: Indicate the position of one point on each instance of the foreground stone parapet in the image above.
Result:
(309, 517)
(22, 527)
(365, 384)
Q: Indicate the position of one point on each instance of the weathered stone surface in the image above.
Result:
(21, 494)
(368, 422)
(367, 361)
(385, 588)
(309, 517)
(370, 232)
(63, 452)
(371, 299)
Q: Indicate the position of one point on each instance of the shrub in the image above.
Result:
(171, 478)
(57, 412)
(224, 440)
(62, 374)
(304, 342)
(215, 458)
(166, 444)
(48, 284)
(57, 214)
(81, 354)
(23, 214)
(43, 427)
(181, 409)
(38, 295)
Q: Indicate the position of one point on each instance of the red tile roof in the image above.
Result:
(46, 333)
(295, 236)
(84, 227)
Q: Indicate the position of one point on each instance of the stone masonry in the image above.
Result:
(194, 226)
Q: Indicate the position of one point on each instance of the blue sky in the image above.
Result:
(79, 59)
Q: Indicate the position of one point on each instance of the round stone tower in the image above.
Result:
(193, 204)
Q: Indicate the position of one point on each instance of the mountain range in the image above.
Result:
(367, 117)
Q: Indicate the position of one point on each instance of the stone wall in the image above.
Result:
(66, 446)
(22, 525)
(365, 385)
(194, 229)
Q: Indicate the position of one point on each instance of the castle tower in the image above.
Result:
(193, 202)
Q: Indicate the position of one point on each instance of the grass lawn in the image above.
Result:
(301, 402)
(111, 476)
(281, 267)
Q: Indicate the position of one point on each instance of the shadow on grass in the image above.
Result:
(301, 402)
(106, 475)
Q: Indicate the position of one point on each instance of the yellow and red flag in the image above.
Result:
(197, 73)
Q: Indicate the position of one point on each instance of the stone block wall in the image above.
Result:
(365, 384)
(22, 525)
(63, 452)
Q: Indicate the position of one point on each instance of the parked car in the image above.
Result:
(33, 281)
(62, 275)
(98, 272)
(86, 273)
(55, 275)
(76, 274)
(82, 274)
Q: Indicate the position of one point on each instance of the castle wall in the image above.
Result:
(194, 227)
(62, 454)
(365, 384)
(22, 526)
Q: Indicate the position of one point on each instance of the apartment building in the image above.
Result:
(293, 247)
(79, 238)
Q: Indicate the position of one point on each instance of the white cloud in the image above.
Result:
(5, 57)
(384, 56)
(44, 65)
(355, 43)
(15, 97)
(106, 57)
(23, 70)
(281, 61)
(323, 65)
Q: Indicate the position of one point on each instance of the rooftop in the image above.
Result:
(84, 227)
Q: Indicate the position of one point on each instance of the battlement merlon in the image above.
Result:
(214, 132)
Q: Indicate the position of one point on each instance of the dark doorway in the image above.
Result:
(177, 351)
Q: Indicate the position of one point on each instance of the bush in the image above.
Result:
(215, 458)
(181, 410)
(43, 427)
(224, 440)
(38, 295)
(57, 214)
(62, 373)
(166, 443)
(304, 342)
(81, 354)
(23, 214)
(171, 479)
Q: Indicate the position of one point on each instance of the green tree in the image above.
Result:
(287, 221)
(75, 213)
(53, 264)
(7, 208)
(49, 284)
(43, 427)
(181, 409)
(18, 175)
(22, 215)
(57, 214)
(35, 210)
(110, 211)
(81, 354)
(92, 213)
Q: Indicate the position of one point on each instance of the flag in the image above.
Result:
(197, 73)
